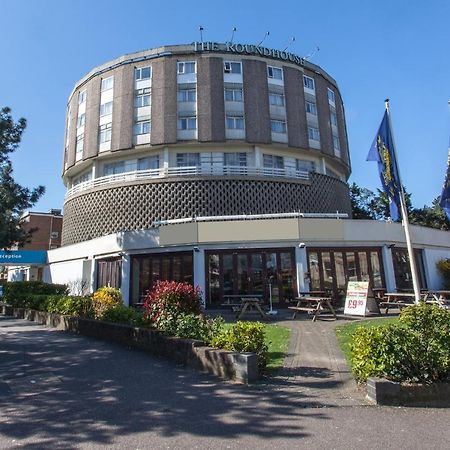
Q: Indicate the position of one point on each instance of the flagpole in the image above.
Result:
(404, 210)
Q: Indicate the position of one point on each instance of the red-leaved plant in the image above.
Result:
(168, 299)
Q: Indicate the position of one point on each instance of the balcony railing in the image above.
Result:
(192, 171)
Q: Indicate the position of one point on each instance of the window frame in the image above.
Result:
(188, 120)
(188, 161)
(103, 105)
(139, 70)
(313, 104)
(313, 131)
(228, 67)
(187, 92)
(107, 130)
(306, 80)
(331, 96)
(235, 119)
(278, 121)
(81, 120)
(141, 94)
(233, 91)
(183, 65)
(142, 124)
(277, 95)
(271, 70)
(110, 80)
(82, 96)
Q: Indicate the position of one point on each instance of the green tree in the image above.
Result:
(430, 216)
(14, 198)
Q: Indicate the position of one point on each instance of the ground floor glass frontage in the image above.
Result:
(259, 272)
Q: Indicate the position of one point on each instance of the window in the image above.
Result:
(308, 82)
(332, 173)
(54, 235)
(81, 120)
(273, 162)
(142, 97)
(305, 165)
(331, 97)
(235, 159)
(313, 134)
(80, 143)
(187, 123)
(276, 99)
(187, 95)
(150, 162)
(106, 108)
(275, 72)
(278, 126)
(114, 168)
(82, 97)
(142, 73)
(105, 132)
(142, 127)
(232, 67)
(333, 118)
(235, 122)
(233, 95)
(311, 108)
(336, 145)
(107, 83)
(188, 159)
(82, 178)
(186, 67)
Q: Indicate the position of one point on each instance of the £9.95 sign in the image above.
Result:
(356, 299)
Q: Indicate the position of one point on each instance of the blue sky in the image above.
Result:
(374, 49)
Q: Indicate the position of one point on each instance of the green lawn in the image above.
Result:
(277, 340)
(344, 332)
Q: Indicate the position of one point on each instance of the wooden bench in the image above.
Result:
(394, 305)
(315, 306)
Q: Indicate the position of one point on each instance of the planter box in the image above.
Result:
(240, 367)
(385, 392)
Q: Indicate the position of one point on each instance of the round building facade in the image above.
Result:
(204, 129)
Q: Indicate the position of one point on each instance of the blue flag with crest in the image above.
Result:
(382, 151)
(445, 196)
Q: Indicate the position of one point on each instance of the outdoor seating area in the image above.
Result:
(399, 300)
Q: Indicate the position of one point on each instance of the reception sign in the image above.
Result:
(20, 257)
(356, 299)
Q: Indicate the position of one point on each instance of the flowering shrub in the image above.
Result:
(168, 300)
(444, 268)
(104, 299)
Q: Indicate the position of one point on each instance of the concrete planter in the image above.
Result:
(385, 392)
(240, 367)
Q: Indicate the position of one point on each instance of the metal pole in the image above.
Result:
(405, 221)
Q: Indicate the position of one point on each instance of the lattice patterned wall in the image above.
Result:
(135, 206)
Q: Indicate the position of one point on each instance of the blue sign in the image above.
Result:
(19, 257)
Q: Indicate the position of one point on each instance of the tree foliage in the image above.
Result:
(14, 198)
(370, 205)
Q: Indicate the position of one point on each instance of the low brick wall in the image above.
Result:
(385, 392)
(240, 367)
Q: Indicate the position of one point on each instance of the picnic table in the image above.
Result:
(397, 300)
(438, 297)
(241, 304)
(313, 305)
(249, 304)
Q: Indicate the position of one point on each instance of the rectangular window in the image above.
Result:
(187, 95)
(82, 97)
(276, 99)
(82, 178)
(278, 126)
(308, 82)
(106, 108)
(275, 72)
(311, 108)
(305, 165)
(81, 120)
(235, 122)
(313, 134)
(147, 163)
(142, 73)
(105, 132)
(232, 67)
(333, 118)
(107, 83)
(331, 96)
(142, 127)
(235, 159)
(186, 67)
(188, 159)
(233, 95)
(114, 168)
(187, 123)
(332, 173)
(142, 97)
(336, 145)
(273, 162)
(80, 143)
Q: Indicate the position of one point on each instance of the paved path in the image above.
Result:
(59, 391)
